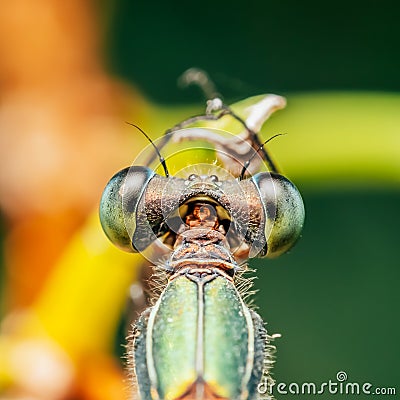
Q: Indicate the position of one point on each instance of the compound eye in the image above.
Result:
(193, 177)
(283, 210)
(119, 202)
(213, 178)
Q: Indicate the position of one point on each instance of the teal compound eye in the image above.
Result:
(283, 213)
(119, 205)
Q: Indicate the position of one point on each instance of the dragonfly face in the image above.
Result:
(200, 341)
(265, 213)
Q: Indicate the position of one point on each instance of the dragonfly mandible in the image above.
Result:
(199, 340)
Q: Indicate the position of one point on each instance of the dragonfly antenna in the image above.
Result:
(247, 163)
(160, 157)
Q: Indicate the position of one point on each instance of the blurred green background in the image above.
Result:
(256, 46)
(334, 297)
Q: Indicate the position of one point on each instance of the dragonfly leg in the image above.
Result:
(264, 359)
(136, 358)
(235, 150)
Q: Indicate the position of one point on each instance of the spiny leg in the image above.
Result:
(136, 359)
(264, 388)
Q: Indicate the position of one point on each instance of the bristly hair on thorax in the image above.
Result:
(242, 281)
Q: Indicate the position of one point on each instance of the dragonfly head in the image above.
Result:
(262, 216)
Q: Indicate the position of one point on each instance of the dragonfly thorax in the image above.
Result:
(201, 242)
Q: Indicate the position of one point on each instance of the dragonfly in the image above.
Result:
(199, 339)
